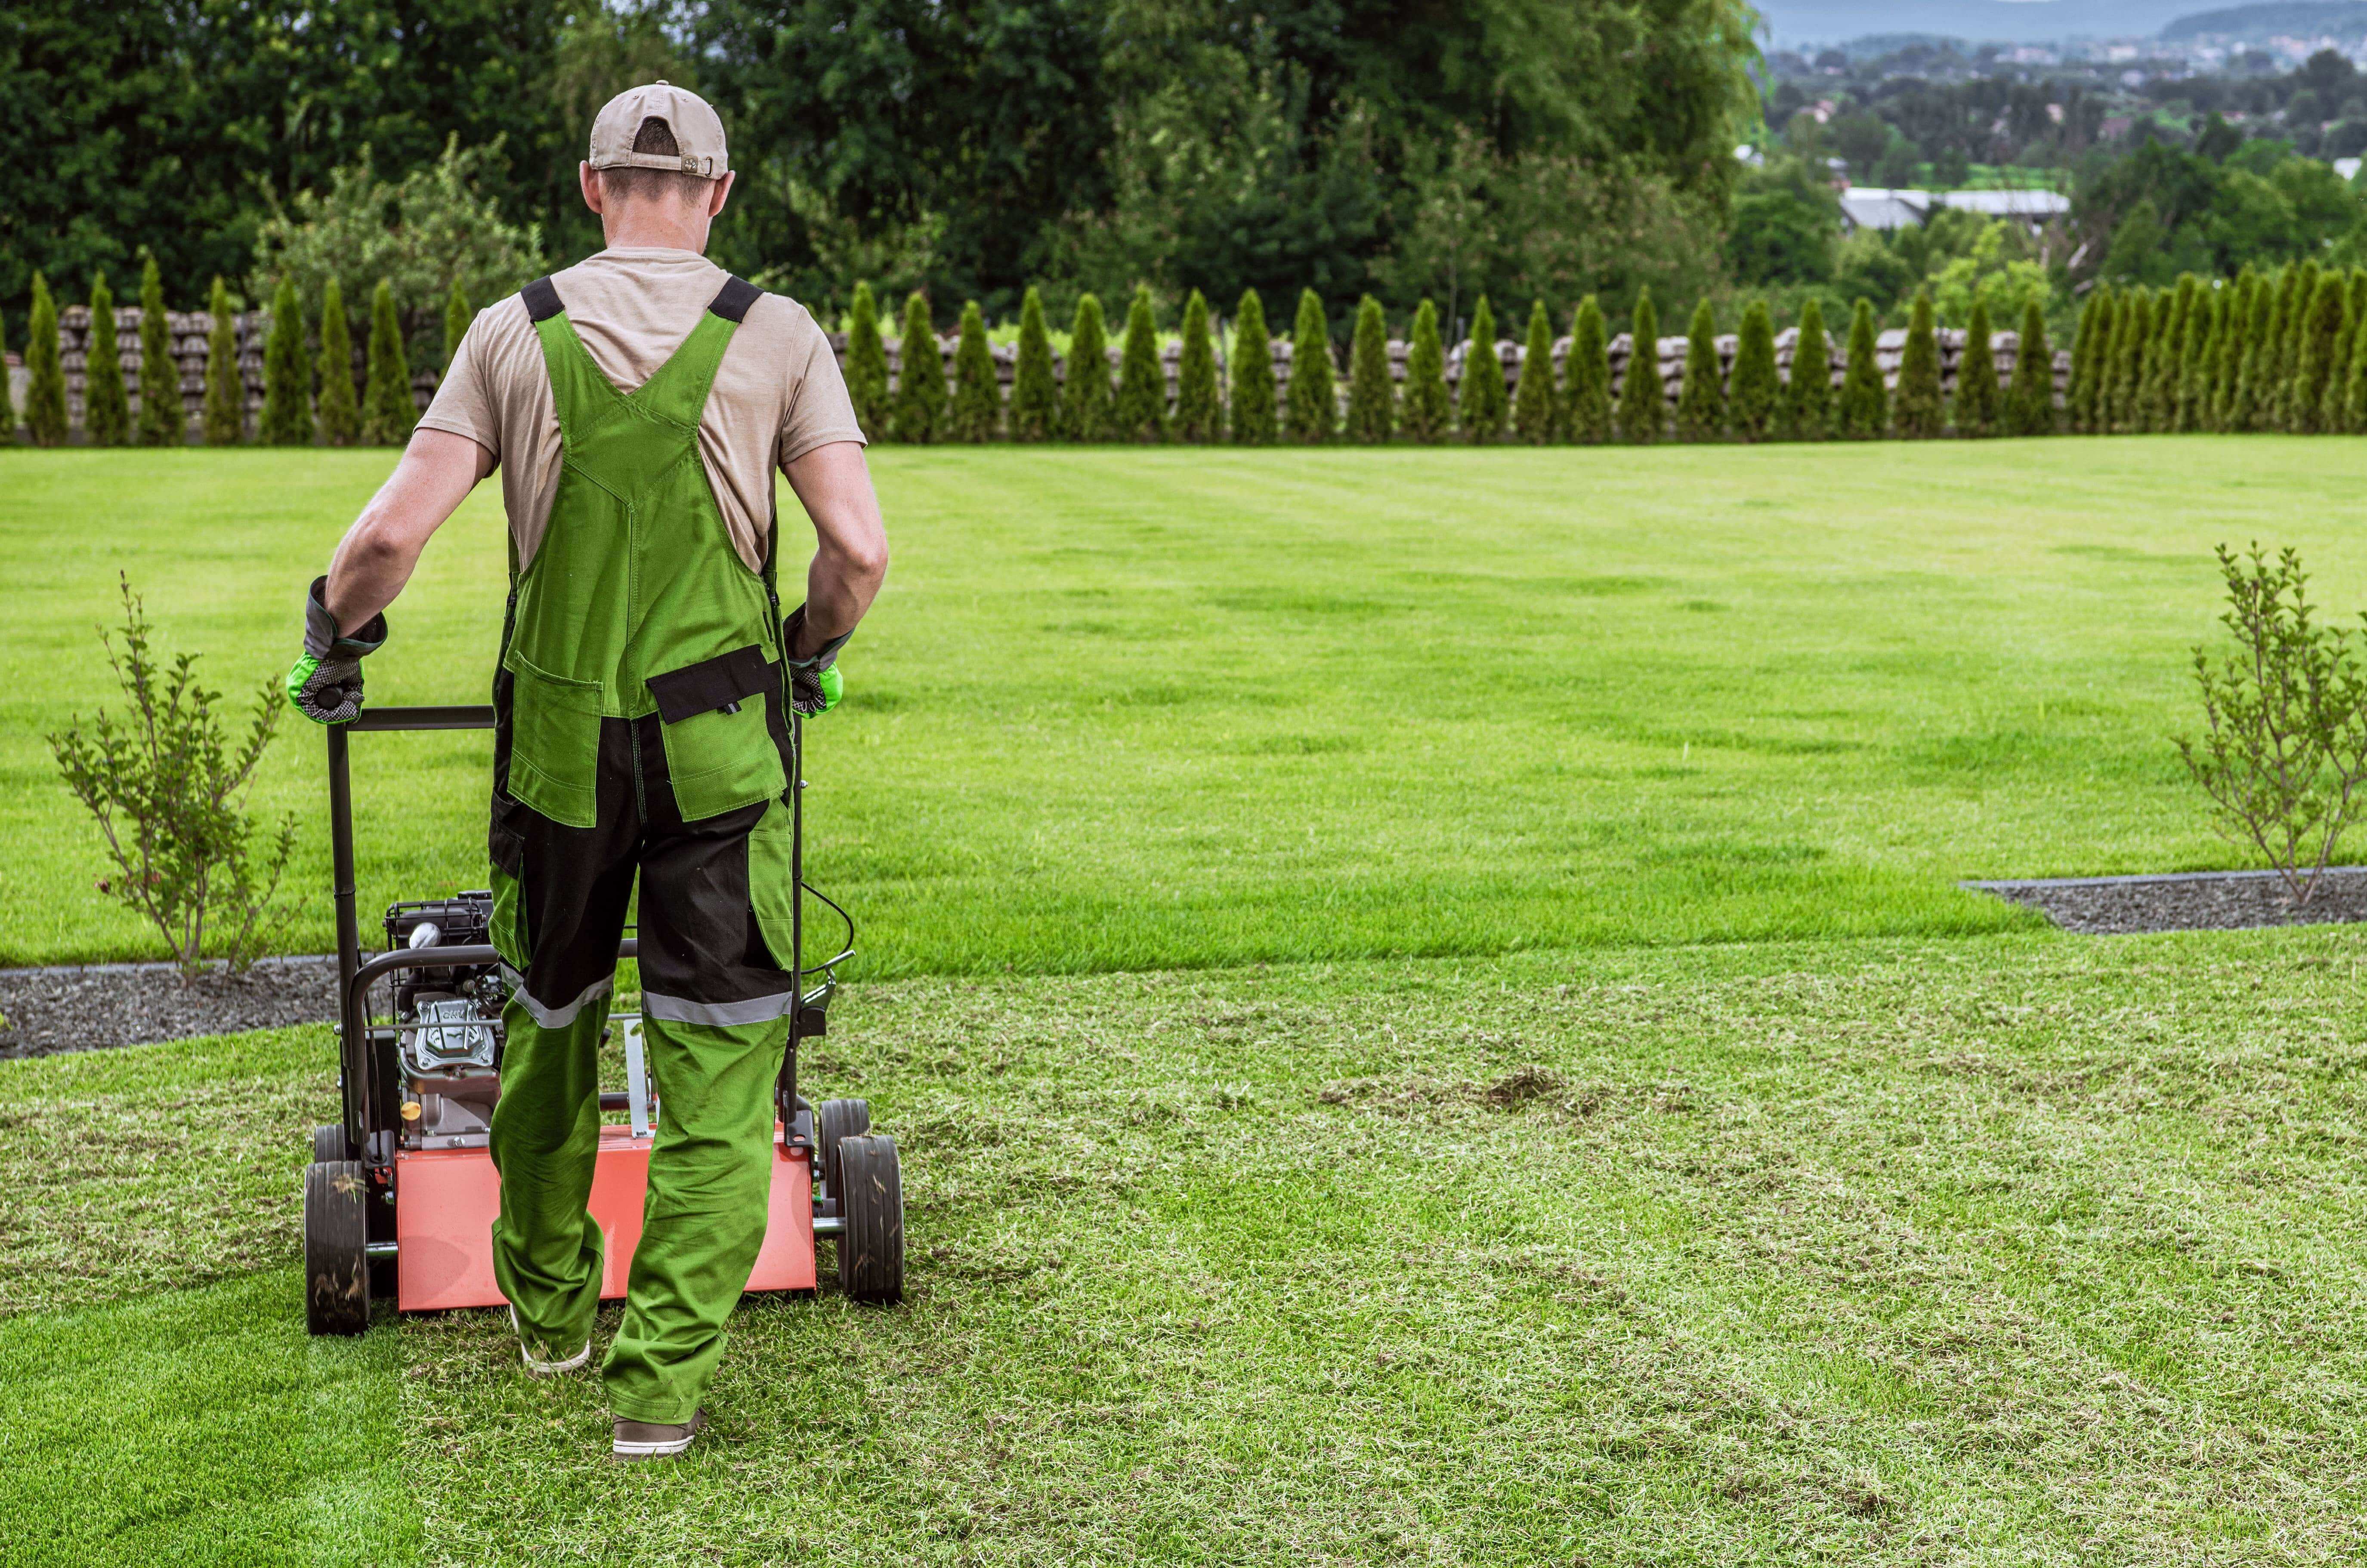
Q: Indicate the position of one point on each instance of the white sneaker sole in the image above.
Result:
(541, 1368)
(666, 1448)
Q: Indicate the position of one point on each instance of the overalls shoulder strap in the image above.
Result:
(676, 395)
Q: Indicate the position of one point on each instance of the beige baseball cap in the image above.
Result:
(697, 132)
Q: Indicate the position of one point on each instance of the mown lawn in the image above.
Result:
(1992, 1250)
(1121, 710)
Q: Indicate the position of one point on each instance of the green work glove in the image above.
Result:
(327, 683)
(815, 684)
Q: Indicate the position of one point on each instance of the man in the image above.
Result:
(637, 405)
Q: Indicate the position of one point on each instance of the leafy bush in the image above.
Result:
(1751, 406)
(1035, 395)
(167, 787)
(1428, 411)
(1809, 393)
(1085, 394)
(867, 365)
(978, 401)
(1141, 413)
(1481, 405)
(1372, 397)
(225, 412)
(340, 411)
(2283, 751)
(1314, 395)
(1643, 405)
(1587, 412)
(1199, 414)
(1700, 399)
(1921, 413)
(287, 380)
(1536, 403)
(1252, 410)
(162, 421)
(920, 376)
(388, 411)
(45, 387)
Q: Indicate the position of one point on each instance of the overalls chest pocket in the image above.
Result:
(720, 750)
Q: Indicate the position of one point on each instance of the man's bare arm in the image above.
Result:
(375, 560)
(851, 543)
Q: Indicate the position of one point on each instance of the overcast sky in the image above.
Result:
(2009, 21)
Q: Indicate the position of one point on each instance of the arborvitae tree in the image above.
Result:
(2354, 399)
(2256, 387)
(163, 423)
(1085, 410)
(225, 406)
(456, 316)
(2030, 400)
(867, 365)
(1701, 398)
(340, 411)
(1141, 410)
(1199, 412)
(2157, 403)
(1252, 401)
(1809, 391)
(1978, 397)
(2090, 351)
(1922, 410)
(1643, 403)
(2333, 408)
(2296, 325)
(920, 411)
(45, 389)
(1372, 400)
(1314, 395)
(1585, 416)
(1482, 404)
(1865, 401)
(105, 403)
(2194, 350)
(287, 380)
(2314, 366)
(1536, 403)
(1752, 396)
(388, 412)
(978, 401)
(2118, 402)
(1035, 393)
(1428, 410)
(2235, 351)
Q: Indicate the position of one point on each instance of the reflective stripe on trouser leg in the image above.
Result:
(710, 1173)
(545, 1142)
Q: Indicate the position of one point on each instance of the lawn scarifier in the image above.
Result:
(401, 1196)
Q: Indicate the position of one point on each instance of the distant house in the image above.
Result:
(1870, 206)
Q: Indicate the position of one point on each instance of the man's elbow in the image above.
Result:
(869, 563)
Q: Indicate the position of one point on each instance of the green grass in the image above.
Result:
(2001, 1251)
(1120, 710)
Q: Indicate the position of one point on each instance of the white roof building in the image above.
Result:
(1870, 206)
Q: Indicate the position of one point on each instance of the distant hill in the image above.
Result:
(2258, 24)
(1791, 23)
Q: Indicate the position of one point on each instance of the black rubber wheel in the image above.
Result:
(329, 1144)
(871, 1247)
(337, 1262)
(838, 1119)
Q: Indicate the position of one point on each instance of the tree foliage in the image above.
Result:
(1809, 393)
(162, 421)
(1643, 405)
(1864, 400)
(1978, 397)
(1314, 394)
(45, 378)
(2030, 400)
(287, 380)
(225, 408)
(919, 415)
(1428, 411)
(867, 365)
(1921, 412)
(1252, 398)
(1536, 403)
(1754, 390)
(1700, 399)
(1085, 410)
(340, 410)
(1199, 412)
(1372, 397)
(388, 411)
(1481, 405)
(106, 402)
(1141, 380)
(1585, 416)
(978, 400)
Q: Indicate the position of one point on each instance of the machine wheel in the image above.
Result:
(838, 1119)
(871, 1203)
(337, 1262)
(329, 1144)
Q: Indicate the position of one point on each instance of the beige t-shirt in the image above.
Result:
(778, 394)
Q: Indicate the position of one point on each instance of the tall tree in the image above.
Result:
(1482, 404)
(225, 408)
(2255, 375)
(1035, 391)
(920, 375)
(1587, 406)
(340, 409)
(1428, 411)
(867, 365)
(1253, 401)
(978, 401)
(1142, 413)
(45, 384)
(106, 402)
(162, 421)
(1864, 400)
(2297, 307)
(287, 380)
(2164, 352)
(2321, 331)
(2194, 352)
(2354, 396)
(2235, 351)
(1643, 403)
(1536, 403)
(1754, 386)
(1978, 397)
(2335, 416)
(1372, 398)
(1701, 397)
(2123, 371)
(388, 411)
(1085, 394)
(2090, 349)
(1314, 395)
(458, 314)
(1922, 412)
(2030, 401)
(1199, 412)
(1808, 390)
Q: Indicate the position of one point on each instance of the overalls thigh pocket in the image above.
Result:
(554, 742)
(719, 750)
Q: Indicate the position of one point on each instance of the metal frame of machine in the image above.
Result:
(399, 1203)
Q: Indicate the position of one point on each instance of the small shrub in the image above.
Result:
(1481, 406)
(1372, 397)
(388, 411)
(1199, 412)
(1252, 410)
(1085, 394)
(1643, 405)
(1314, 394)
(867, 365)
(225, 408)
(1864, 402)
(1809, 393)
(340, 410)
(1428, 411)
(45, 387)
(1537, 402)
(2030, 400)
(1923, 413)
(1142, 413)
(1587, 405)
(1700, 399)
(2283, 751)
(1750, 407)
(1034, 394)
(920, 411)
(1978, 397)
(167, 787)
(978, 401)
(106, 402)
(162, 421)
(287, 380)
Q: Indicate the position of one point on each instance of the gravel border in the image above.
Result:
(92, 1007)
(2185, 900)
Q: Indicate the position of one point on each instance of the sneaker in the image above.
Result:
(538, 1366)
(655, 1439)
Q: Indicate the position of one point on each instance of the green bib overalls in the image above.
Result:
(640, 733)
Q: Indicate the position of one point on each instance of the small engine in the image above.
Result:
(448, 1025)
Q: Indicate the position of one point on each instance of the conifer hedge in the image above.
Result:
(1314, 407)
(978, 401)
(920, 413)
(1034, 394)
(2194, 350)
(1921, 413)
(287, 380)
(1978, 397)
(1142, 413)
(1864, 400)
(1587, 417)
(1427, 413)
(1481, 406)
(1643, 406)
(1808, 395)
(1372, 398)
(388, 412)
(1701, 399)
(1536, 403)
(2029, 400)
(1199, 411)
(162, 421)
(1086, 409)
(1754, 389)
(2321, 331)
(866, 363)
(106, 402)
(45, 387)
(2093, 332)
(1252, 408)
(339, 410)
